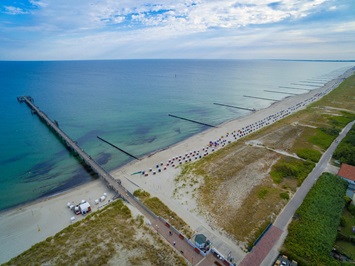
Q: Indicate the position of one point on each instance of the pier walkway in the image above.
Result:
(179, 242)
(109, 180)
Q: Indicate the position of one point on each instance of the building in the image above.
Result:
(200, 240)
(85, 207)
(347, 172)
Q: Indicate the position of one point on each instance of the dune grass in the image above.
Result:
(312, 129)
(160, 209)
(106, 237)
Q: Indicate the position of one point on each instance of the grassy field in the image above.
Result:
(244, 187)
(313, 230)
(289, 166)
(110, 236)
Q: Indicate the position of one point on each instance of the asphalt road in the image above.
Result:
(287, 213)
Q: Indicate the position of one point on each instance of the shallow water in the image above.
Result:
(127, 103)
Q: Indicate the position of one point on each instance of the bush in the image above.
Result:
(311, 237)
(345, 152)
(351, 209)
(139, 193)
(342, 221)
(323, 137)
(284, 195)
(347, 199)
(290, 167)
(309, 154)
(263, 192)
(343, 120)
(331, 131)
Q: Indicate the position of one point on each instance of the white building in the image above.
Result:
(84, 207)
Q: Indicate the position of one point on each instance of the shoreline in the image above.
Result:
(36, 220)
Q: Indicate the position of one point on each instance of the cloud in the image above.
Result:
(172, 28)
(11, 10)
(195, 15)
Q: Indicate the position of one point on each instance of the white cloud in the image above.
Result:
(344, 27)
(90, 29)
(38, 3)
(11, 10)
(198, 15)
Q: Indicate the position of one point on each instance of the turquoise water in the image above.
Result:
(127, 103)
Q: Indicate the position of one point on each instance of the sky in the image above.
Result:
(181, 29)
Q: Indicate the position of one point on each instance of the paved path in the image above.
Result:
(180, 244)
(259, 256)
(262, 249)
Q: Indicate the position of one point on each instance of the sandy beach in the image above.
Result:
(24, 226)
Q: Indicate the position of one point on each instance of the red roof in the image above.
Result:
(347, 171)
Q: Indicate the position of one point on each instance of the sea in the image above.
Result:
(126, 102)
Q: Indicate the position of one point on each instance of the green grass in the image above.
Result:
(313, 231)
(309, 154)
(263, 192)
(345, 152)
(343, 244)
(284, 195)
(322, 138)
(100, 239)
(291, 167)
(349, 223)
(342, 120)
(323, 118)
(341, 97)
(346, 248)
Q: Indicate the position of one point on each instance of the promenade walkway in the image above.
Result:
(266, 251)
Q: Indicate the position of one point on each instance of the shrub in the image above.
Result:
(309, 154)
(290, 167)
(351, 209)
(345, 152)
(311, 237)
(139, 193)
(262, 193)
(331, 131)
(342, 221)
(347, 199)
(284, 195)
(322, 138)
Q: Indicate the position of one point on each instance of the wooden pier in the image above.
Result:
(72, 145)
